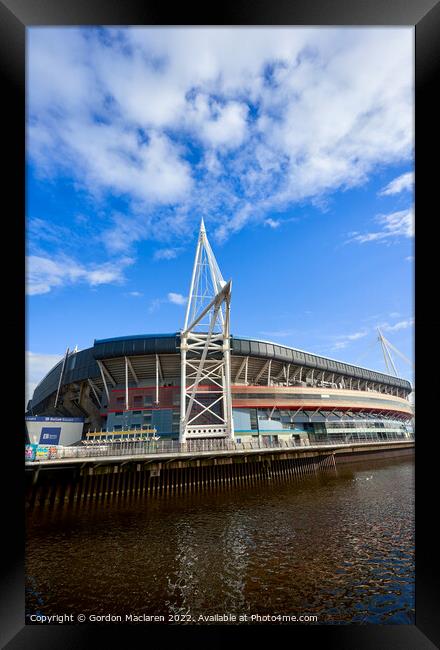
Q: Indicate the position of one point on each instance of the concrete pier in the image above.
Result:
(78, 481)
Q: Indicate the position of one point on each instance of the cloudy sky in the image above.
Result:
(296, 147)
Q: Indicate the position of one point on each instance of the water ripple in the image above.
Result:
(341, 547)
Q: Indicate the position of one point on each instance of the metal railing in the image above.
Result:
(161, 447)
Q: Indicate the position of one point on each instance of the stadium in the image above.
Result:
(204, 383)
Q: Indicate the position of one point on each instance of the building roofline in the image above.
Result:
(135, 337)
(321, 356)
(256, 340)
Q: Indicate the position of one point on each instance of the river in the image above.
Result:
(339, 547)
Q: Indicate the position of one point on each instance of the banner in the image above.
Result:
(30, 452)
(50, 435)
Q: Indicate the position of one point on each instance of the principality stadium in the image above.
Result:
(202, 382)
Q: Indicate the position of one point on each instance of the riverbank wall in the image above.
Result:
(84, 480)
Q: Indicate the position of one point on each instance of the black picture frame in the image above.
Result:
(15, 17)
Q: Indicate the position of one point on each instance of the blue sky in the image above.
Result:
(294, 145)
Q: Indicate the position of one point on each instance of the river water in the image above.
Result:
(338, 546)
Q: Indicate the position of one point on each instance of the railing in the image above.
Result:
(201, 446)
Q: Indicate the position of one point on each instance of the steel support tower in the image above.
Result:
(205, 394)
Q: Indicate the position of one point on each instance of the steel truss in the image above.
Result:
(205, 398)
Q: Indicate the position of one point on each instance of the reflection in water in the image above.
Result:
(340, 546)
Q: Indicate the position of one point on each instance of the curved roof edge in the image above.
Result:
(321, 356)
(83, 363)
(135, 337)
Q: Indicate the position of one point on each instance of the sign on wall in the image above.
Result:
(50, 435)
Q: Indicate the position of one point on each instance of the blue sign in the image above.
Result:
(50, 435)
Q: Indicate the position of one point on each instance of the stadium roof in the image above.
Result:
(83, 364)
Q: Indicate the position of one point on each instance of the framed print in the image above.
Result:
(219, 321)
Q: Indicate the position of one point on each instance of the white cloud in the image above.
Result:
(109, 157)
(123, 233)
(343, 340)
(49, 232)
(43, 274)
(235, 223)
(401, 325)
(177, 298)
(396, 224)
(357, 335)
(272, 223)
(135, 294)
(336, 111)
(410, 258)
(227, 123)
(166, 253)
(217, 125)
(399, 184)
(37, 367)
(173, 298)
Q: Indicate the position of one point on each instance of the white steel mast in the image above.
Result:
(205, 393)
(386, 347)
(386, 353)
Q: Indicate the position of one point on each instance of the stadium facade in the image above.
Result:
(203, 382)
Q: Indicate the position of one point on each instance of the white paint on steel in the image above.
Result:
(205, 350)
(61, 377)
(126, 384)
(101, 370)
